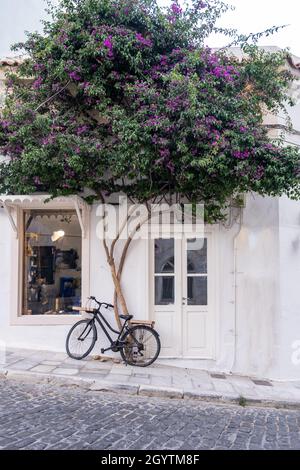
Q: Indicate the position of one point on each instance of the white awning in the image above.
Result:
(44, 201)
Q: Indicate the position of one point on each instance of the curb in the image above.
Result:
(164, 392)
(102, 386)
(41, 378)
(146, 390)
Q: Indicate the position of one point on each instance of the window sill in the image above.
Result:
(45, 320)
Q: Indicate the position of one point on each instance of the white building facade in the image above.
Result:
(224, 300)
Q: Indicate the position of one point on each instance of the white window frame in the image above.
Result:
(17, 250)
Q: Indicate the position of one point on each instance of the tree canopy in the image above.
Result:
(124, 96)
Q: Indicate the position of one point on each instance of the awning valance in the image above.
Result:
(40, 201)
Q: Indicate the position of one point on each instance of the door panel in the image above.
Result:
(165, 324)
(196, 314)
(195, 337)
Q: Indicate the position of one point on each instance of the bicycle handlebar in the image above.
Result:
(104, 304)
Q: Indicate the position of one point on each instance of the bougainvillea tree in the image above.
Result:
(123, 96)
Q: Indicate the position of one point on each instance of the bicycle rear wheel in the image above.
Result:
(81, 339)
(142, 346)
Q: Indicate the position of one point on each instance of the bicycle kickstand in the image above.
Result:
(104, 350)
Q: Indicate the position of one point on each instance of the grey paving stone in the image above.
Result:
(161, 381)
(222, 386)
(51, 363)
(93, 375)
(65, 371)
(117, 378)
(24, 364)
(98, 365)
(43, 368)
(138, 381)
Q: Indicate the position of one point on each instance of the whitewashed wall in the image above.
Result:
(266, 314)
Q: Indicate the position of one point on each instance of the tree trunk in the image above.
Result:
(117, 285)
(119, 274)
(122, 262)
(116, 275)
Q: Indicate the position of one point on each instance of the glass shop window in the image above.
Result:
(52, 262)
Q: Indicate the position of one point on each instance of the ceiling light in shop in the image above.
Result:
(57, 235)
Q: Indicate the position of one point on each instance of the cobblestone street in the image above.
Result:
(35, 416)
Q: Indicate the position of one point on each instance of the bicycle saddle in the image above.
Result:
(126, 317)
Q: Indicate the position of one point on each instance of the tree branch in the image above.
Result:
(53, 96)
(283, 128)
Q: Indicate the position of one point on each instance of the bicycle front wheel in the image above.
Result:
(81, 339)
(142, 346)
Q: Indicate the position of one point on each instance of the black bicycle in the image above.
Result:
(138, 345)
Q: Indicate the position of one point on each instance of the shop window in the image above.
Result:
(52, 262)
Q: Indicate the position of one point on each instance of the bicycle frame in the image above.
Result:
(119, 333)
(116, 344)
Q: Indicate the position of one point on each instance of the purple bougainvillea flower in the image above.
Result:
(82, 129)
(144, 41)
(164, 152)
(108, 42)
(259, 172)
(74, 75)
(39, 67)
(48, 140)
(62, 38)
(109, 45)
(5, 124)
(241, 155)
(170, 165)
(37, 83)
(37, 180)
(201, 5)
(176, 9)
(85, 85)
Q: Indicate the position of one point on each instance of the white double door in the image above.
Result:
(182, 296)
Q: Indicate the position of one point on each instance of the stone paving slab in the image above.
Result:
(156, 380)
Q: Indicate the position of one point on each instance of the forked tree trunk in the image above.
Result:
(117, 285)
(117, 273)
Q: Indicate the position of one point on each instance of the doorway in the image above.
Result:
(182, 295)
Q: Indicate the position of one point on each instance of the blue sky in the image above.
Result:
(249, 16)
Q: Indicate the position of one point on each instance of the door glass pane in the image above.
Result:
(197, 256)
(164, 255)
(197, 290)
(164, 290)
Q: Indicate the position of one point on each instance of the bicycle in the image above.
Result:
(138, 345)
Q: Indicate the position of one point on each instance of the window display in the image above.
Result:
(52, 262)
